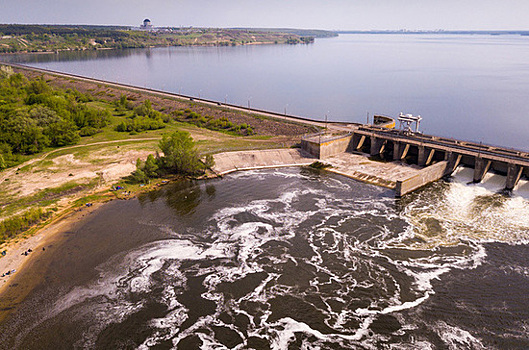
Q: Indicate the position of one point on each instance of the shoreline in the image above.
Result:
(17, 286)
(50, 233)
(332, 125)
(47, 237)
(226, 162)
(215, 44)
(43, 237)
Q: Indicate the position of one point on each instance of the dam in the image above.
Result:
(400, 159)
(430, 157)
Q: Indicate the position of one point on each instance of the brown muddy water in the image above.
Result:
(287, 259)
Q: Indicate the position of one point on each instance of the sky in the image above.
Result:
(309, 14)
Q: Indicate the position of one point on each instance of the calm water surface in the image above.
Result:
(290, 258)
(471, 87)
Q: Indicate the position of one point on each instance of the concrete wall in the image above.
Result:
(425, 176)
(244, 160)
(334, 147)
(312, 148)
(327, 148)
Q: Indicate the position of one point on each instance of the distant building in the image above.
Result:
(146, 24)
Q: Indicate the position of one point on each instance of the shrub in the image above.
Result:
(209, 162)
(14, 225)
(179, 157)
(88, 131)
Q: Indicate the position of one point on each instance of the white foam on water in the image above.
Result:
(522, 189)
(168, 327)
(463, 174)
(254, 174)
(133, 275)
(493, 182)
(456, 338)
(288, 175)
(470, 212)
(415, 345)
(278, 219)
(284, 330)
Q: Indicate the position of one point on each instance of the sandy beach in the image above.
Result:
(14, 288)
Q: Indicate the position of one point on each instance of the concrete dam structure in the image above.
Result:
(433, 157)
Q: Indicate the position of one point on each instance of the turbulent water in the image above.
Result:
(290, 258)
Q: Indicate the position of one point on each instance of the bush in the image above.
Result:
(209, 162)
(208, 122)
(88, 131)
(139, 124)
(62, 133)
(14, 225)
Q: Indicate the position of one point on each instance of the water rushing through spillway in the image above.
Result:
(293, 258)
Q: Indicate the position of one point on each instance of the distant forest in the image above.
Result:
(82, 30)
(314, 33)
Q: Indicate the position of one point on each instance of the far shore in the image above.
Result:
(45, 52)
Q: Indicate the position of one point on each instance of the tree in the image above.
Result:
(150, 168)
(22, 134)
(62, 133)
(44, 116)
(179, 154)
(138, 175)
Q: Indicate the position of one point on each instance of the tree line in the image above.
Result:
(91, 31)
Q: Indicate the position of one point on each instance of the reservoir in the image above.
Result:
(469, 87)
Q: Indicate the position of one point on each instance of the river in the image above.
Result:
(470, 87)
(288, 258)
